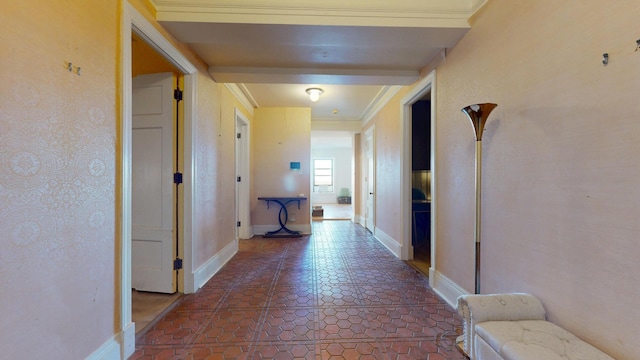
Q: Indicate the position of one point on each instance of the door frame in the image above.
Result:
(134, 22)
(242, 169)
(426, 86)
(369, 133)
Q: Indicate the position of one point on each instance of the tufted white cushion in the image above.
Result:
(475, 309)
(535, 339)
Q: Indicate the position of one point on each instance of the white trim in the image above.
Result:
(445, 287)
(388, 242)
(369, 133)
(242, 94)
(134, 22)
(434, 13)
(259, 230)
(145, 30)
(243, 169)
(124, 153)
(110, 350)
(205, 272)
(189, 171)
(424, 86)
(379, 101)
(158, 42)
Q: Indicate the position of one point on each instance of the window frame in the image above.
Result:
(324, 188)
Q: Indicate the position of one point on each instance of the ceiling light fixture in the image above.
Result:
(314, 93)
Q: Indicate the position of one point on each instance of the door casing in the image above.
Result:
(426, 86)
(134, 22)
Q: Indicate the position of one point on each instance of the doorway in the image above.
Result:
(369, 179)
(136, 24)
(332, 175)
(423, 90)
(421, 184)
(243, 228)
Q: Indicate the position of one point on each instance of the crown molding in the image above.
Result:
(382, 98)
(411, 13)
(243, 95)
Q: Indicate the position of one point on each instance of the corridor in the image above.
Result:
(338, 294)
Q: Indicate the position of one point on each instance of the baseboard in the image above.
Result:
(119, 346)
(263, 229)
(129, 340)
(389, 242)
(445, 287)
(110, 350)
(205, 272)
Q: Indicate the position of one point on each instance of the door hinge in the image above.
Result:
(177, 178)
(239, 135)
(239, 223)
(177, 94)
(239, 179)
(177, 264)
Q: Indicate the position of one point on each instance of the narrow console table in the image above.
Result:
(283, 215)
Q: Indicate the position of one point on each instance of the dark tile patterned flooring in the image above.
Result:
(338, 294)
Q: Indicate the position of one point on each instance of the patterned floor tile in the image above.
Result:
(338, 294)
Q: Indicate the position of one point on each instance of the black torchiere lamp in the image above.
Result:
(478, 114)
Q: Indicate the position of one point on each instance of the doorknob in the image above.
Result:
(370, 193)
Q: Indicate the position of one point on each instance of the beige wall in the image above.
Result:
(215, 170)
(57, 178)
(388, 155)
(145, 60)
(58, 169)
(214, 155)
(560, 161)
(280, 136)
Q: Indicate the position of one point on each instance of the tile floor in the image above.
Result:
(338, 294)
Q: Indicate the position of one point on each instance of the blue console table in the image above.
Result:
(283, 215)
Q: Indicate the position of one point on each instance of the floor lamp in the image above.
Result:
(478, 115)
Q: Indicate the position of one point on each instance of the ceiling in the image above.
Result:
(356, 51)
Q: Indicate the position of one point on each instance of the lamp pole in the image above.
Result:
(478, 114)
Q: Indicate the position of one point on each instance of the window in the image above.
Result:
(323, 175)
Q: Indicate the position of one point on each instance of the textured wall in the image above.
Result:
(215, 170)
(560, 161)
(214, 154)
(280, 136)
(388, 155)
(57, 178)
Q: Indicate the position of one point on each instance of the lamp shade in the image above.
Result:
(478, 114)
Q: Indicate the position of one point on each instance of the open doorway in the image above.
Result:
(422, 91)
(155, 157)
(332, 180)
(421, 184)
(135, 23)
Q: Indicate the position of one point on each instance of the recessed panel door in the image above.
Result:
(152, 204)
(370, 180)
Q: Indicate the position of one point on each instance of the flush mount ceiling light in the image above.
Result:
(314, 93)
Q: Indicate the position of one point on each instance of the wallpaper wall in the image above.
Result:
(57, 177)
(560, 166)
(280, 136)
(215, 170)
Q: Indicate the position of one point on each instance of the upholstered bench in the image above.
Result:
(514, 327)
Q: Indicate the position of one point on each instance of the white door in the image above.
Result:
(242, 172)
(152, 198)
(370, 179)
